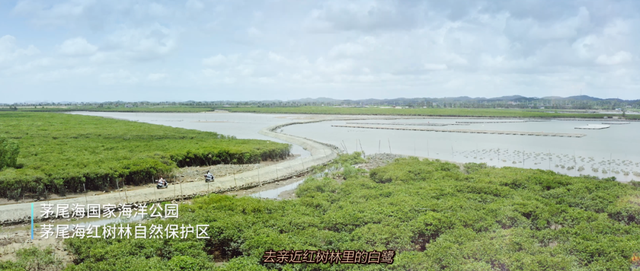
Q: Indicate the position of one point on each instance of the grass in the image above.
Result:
(435, 217)
(443, 112)
(63, 152)
(168, 108)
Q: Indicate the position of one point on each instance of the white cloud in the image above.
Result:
(254, 33)
(156, 76)
(363, 15)
(218, 60)
(47, 13)
(568, 28)
(9, 50)
(146, 43)
(620, 57)
(348, 49)
(194, 4)
(77, 47)
(435, 67)
(120, 76)
(35, 64)
(153, 9)
(61, 74)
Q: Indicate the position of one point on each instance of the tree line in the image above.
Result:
(62, 153)
(433, 214)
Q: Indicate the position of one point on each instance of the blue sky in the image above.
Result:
(89, 50)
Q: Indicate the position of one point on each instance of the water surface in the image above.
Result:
(603, 153)
(609, 152)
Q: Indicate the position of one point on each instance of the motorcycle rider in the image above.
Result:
(162, 181)
(208, 177)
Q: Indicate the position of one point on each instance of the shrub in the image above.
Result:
(64, 153)
(9, 151)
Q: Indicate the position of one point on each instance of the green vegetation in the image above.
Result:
(413, 111)
(121, 108)
(64, 153)
(435, 216)
(443, 112)
(9, 151)
(33, 259)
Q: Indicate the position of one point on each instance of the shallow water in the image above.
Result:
(275, 193)
(240, 125)
(614, 150)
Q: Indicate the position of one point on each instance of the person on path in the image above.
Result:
(209, 177)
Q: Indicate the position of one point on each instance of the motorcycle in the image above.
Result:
(209, 178)
(162, 185)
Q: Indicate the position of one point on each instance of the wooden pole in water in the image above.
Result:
(389, 141)
(174, 186)
(379, 141)
(154, 191)
(124, 187)
(234, 179)
(85, 194)
(118, 187)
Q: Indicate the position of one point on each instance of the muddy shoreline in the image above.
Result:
(180, 175)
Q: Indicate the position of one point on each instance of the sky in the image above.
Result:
(93, 51)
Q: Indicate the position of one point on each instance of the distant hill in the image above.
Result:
(317, 100)
(512, 98)
(511, 101)
(583, 98)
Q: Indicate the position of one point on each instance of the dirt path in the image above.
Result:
(320, 154)
(180, 175)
